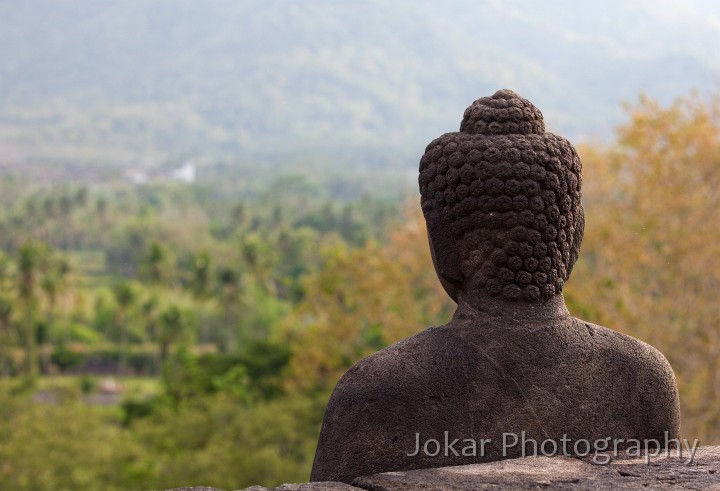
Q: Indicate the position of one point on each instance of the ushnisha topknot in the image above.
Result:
(502, 114)
(510, 196)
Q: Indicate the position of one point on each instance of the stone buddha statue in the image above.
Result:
(501, 199)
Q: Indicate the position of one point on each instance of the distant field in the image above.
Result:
(88, 262)
(87, 388)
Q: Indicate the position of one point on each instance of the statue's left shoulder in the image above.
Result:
(644, 374)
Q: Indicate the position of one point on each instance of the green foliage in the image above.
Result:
(124, 294)
(251, 375)
(65, 358)
(213, 441)
(88, 384)
(66, 446)
(84, 334)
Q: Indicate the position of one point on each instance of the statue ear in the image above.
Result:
(444, 254)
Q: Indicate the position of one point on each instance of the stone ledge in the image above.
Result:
(661, 472)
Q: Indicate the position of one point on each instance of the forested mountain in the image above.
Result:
(341, 81)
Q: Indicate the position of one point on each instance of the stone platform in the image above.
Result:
(662, 472)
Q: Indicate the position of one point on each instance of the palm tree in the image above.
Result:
(6, 309)
(150, 316)
(29, 260)
(229, 283)
(200, 286)
(52, 284)
(124, 296)
(173, 322)
(154, 264)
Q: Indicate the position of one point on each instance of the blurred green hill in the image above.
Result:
(354, 82)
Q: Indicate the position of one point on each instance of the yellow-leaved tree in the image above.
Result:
(650, 261)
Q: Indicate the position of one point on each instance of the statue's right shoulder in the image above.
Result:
(379, 404)
(394, 367)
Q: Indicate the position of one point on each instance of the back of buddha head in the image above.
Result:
(503, 197)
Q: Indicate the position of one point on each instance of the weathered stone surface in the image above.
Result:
(317, 486)
(312, 486)
(205, 488)
(560, 473)
(661, 472)
(528, 472)
(501, 199)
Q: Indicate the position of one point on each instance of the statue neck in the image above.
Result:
(480, 304)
